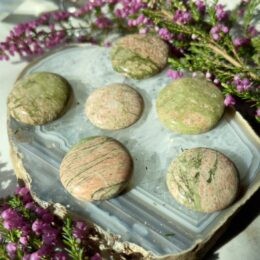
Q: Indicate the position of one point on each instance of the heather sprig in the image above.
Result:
(71, 241)
(208, 45)
(202, 35)
(28, 231)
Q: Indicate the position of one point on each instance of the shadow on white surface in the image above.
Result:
(243, 227)
(8, 181)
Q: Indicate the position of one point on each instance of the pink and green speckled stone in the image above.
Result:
(39, 98)
(203, 180)
(139, 56)
(190, 106)
(113, 107)
(97, 168)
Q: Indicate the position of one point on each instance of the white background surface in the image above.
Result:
(242, 239)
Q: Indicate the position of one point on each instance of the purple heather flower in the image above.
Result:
(60, 256)
(30, 205)
(129, 7)
(24, 240)
(50, 236)
(9, 213)
(208, 75)
(60, 15)
(14, 222)
(47, 217)
(241, 41)
(237, 79)
(253, 31)
(97, 256)
(182, 17)
(258, 112)
(200, 5)
(79, 234)
(45, 250)
(11, 249)
(215, 36)
(80, 225)
(103, 22)
(217, 31)
(40, 211)
(38, 226)
(229, 100)
(24, 193)
(165, 34)
(221, 14)
(216, 81)
(242, 84)
(80, 230)
(173, 74)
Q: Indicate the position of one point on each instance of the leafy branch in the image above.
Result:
(73, 245)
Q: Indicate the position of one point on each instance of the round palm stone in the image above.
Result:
(139, 56)
(203, 180)
(190, 106)
(114, 107)
(38, 98)
(97, 168)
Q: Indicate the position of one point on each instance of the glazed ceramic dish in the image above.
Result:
(146, 213)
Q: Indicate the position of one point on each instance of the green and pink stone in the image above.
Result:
(39, 98)
(139, 56)
(190, 106)
(203, 180)
(97, 168)
(114, 107)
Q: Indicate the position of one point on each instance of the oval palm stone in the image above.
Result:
(38, 98)
(139, 56)
(114, 107)
(190, 106)
(97, 168)
(203, 179)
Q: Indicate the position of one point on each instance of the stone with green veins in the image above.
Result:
(114, 106)
(39, 98)
(139, 56)
(203, 179)
(190, 106)
(97, 168)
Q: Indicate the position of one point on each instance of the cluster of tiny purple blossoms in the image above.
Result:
(241, 84)
(41, 225)
(26, 40)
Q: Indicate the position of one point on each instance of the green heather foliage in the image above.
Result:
(203, 37)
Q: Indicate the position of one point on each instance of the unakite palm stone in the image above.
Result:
(203, 180)
(97, 168)
(38, 98)
(139, 56)
(114, 106)
(190, 106)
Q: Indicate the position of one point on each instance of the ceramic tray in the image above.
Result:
(146, 214)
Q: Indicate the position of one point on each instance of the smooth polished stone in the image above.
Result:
(113, 107)
(139, 56)
(203, 180)
(39, 98)
(97, 168)
(190, 106)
